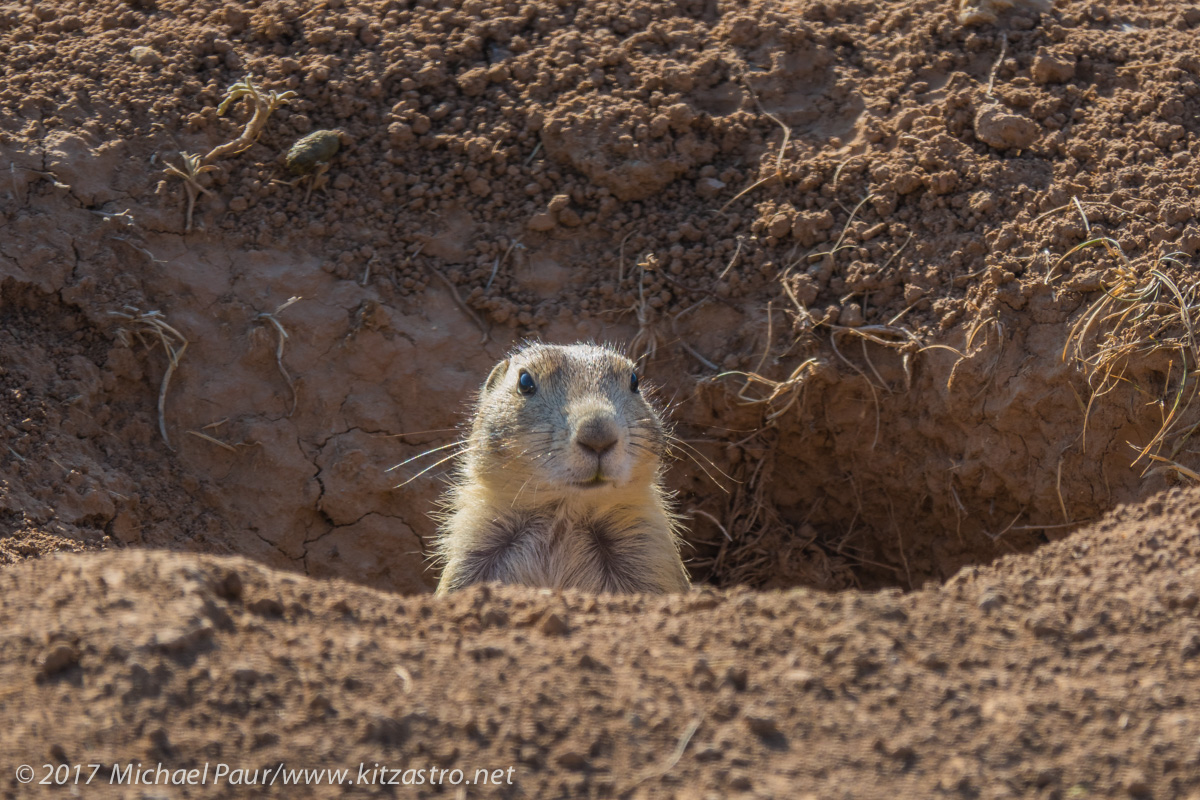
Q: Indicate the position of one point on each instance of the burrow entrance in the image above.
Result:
(874, 464)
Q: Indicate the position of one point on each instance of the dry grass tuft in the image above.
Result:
(757, 546)
(1143, 316)
(644, 345)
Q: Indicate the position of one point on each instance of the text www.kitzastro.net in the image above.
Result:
(280, 774)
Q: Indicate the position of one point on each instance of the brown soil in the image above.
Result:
(1073, 674)
(916, 280)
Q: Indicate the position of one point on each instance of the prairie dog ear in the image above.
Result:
(496, 375)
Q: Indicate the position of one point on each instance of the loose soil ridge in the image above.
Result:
(1070, 673)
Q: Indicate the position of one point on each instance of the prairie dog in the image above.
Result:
(560, 484)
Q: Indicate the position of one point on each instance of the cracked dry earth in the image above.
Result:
(915, 280)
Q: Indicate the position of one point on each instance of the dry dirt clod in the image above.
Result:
(1046, 621)
(266, 606)
(494, 618)
(145, 56)
(542, 222)
(762, 723)
(229, 585)
(736, 677)
(802, 679)
(588, 661)
(1003, 129)
(554, 623)
(572, 760)
(57, 657)
(990, 599)
(1049, 67)
(185, 637)
(1189, 646)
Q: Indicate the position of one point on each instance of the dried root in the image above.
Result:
(149, 328)
(190, 172)
(645, 342)
(1142, 315)
(261, 107)
(272, 318)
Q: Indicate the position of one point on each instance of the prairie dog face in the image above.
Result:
(565, 422)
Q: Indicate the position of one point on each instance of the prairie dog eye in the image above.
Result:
(633, 383)
(525, 384)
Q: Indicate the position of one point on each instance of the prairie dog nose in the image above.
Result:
(597, 434)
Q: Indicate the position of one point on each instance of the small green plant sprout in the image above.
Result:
(191, 171)
(148, 327)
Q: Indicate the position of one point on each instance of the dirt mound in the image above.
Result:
(1068, 673)
(915, 280)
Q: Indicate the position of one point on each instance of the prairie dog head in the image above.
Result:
(558, 422)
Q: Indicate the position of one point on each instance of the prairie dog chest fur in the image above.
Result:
(560, 484)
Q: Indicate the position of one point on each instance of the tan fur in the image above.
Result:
(562, 488)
